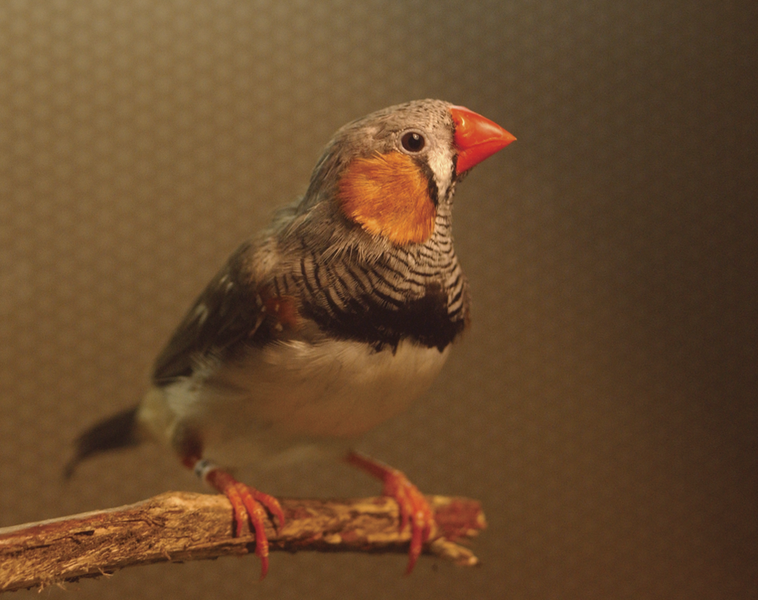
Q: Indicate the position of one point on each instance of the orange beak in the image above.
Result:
(476, 138)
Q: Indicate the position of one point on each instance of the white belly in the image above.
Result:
(294, 394)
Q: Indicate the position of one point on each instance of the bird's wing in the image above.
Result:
(227, 314)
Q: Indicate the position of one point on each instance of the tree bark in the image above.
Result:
(181, 526)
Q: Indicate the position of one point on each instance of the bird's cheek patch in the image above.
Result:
(388, 195)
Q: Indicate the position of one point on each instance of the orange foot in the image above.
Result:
(413, 506)
(247, 506)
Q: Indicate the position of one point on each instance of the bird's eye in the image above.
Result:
(413, 141)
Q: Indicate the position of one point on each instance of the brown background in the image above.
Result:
(604, 405)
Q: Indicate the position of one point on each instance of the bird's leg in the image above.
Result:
(247, 504)
(414, 508)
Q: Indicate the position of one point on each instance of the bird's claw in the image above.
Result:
(248, 508)
(413, 506)
(414, 510)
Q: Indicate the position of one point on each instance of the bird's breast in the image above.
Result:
(289, 391)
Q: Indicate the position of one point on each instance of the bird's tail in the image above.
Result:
(112, 433)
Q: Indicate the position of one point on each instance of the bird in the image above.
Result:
(328, 322)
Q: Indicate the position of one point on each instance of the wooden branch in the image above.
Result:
(181, 526)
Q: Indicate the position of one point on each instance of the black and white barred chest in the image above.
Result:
(418, 293)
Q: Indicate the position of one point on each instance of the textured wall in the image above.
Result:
(603, 407)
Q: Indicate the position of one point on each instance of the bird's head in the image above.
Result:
(389, 173)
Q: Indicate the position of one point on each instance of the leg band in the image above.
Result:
(203, 467)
